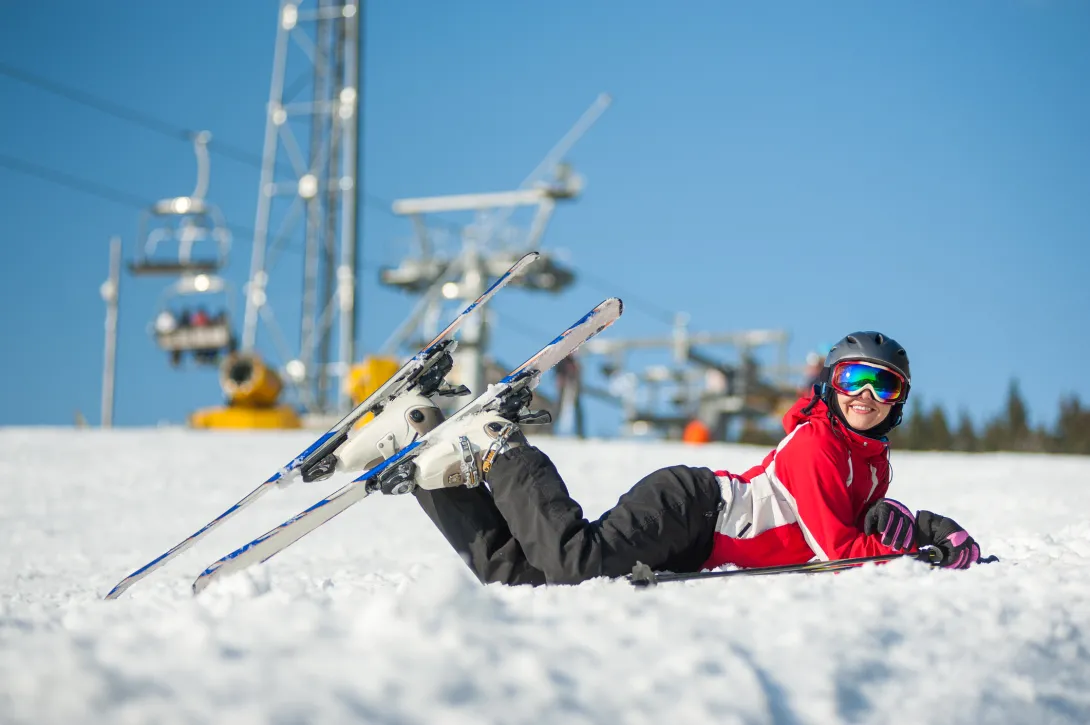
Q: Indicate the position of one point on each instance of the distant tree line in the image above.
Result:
(929, 429)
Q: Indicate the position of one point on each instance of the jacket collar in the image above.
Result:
(820, 416)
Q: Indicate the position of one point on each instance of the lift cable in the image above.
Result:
(237, 153)
(157, 125)
(93, 188)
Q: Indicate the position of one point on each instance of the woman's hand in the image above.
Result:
(959, 550)
(893, 522)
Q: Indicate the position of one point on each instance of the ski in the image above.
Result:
(512, 389)
(643, 576)
(427, 368)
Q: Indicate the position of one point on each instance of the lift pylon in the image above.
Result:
(307, 197)
(484, 251)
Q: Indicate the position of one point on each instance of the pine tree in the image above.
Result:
(1018, 434)
(1072, 427)
(941, 439)
(965, 436)
(916, 431)
(994, 437)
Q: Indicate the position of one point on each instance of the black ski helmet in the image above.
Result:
(868, 346)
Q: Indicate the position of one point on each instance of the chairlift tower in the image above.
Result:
(487, 248)
(307, 195)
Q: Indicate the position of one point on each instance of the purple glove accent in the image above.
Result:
(892, 522)
(959, 550)
(899, 528)
(966, 555)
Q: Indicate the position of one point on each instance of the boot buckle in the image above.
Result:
(471, 478)
(497, 447)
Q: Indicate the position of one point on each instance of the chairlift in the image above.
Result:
(187, 322)
(187, 222)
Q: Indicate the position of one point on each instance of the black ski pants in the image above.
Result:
(528, 530)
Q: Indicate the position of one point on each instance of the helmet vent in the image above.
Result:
(851, 340)
(880, 339)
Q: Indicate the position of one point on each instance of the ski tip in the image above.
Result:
(202, 581)
(613, 306)
(123, 586)
(520, 266)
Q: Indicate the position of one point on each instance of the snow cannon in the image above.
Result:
(247, 381)
(252, 389)
(367, 376)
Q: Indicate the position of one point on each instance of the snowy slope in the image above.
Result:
(373, 619)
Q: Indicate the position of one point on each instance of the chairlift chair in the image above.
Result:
(188, 222)
(186, 324)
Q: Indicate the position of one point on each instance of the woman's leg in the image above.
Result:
(469, 520)
(665, 521)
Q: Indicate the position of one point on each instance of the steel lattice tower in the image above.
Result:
(308, 194)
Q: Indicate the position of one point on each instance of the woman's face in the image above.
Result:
(862, 411)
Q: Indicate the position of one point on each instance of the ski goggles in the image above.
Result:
(850, 377)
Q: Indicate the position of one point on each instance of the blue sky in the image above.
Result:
(919, 168)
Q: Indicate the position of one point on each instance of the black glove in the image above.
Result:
(893, 521)
(959, 550)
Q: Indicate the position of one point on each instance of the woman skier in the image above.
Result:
(821, 494)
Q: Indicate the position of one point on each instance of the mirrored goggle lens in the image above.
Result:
(851, 377)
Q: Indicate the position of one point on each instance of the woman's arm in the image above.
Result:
(814, 470)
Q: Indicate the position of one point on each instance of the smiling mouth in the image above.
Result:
(861, 409)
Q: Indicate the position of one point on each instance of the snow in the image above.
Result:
(374, 619)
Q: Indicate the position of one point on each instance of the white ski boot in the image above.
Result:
(402, 421)
(463, 456)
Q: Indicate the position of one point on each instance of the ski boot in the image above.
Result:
(403, 420)
(464, 455)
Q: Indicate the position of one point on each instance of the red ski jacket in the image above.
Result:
(806, 500)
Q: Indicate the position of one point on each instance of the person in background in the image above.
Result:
(815, 362)
(569, 393)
